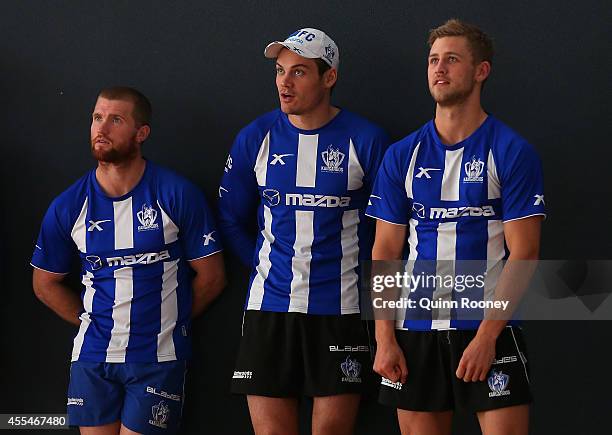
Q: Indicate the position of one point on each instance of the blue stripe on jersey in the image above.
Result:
(326, 250)
(280, 274)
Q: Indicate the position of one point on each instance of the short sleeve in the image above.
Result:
(522, 185)
(54, 249)
(389, 201)
(197, 229)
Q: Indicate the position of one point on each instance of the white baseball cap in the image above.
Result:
(310, 43)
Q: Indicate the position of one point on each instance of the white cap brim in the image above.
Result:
(274, 48)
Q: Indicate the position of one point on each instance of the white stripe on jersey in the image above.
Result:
(264, 265)
(495, 253)
(445, 266)
(169, 312)
(355, 171)
(349, 293)
(452, 175)
(85, 319)
(124, 225)
(170, 228)
(493, 184)
(261, 164)
(306, 174)
(413, 242)
(410, 173)
(300, 263)
(78, 233)
(120, 334)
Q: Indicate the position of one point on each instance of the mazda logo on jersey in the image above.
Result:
(94, 261)
(271, 196)
(451, 212)
(129, 260)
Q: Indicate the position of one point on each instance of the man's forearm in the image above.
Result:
(204, 293)
(65, 302)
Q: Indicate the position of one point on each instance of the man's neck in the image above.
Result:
(119, 179)
(314, 119)
(456, 123)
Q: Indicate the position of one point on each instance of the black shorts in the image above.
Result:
(432, 358)
(295, 354)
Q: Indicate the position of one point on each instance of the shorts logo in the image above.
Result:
(75, 401)
(272, 197)
(332, 158)
(505, 360)
(498, 382)
(146, 216)
(228, 163)
(160, 413)
(163, 394)
(243, 375)
(389, 383)
(473, 171)
(349, 348)
(351, 369)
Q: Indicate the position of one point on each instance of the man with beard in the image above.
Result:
(150, 261)
(307, 171)
(463, 184)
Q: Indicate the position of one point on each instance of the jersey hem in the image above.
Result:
(160, 358)
(384, 220)
(204, 256)
(304, 310)
(524, 217)
(50, 271)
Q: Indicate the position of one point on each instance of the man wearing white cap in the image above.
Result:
(306, 172)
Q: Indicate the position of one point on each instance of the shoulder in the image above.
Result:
(167, 180)
(258, 128)
(66, 207)
(72, 199)
(405, 147)
(509, 146)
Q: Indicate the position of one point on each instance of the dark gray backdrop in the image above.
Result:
(201, 65)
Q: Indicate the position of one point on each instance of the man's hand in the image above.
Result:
(477, 359)
(390, 362)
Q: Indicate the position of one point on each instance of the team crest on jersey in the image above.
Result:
(498, 382)
(160, 413)
(333, 158)
(473, 171)
(147, 216)
(351, 369)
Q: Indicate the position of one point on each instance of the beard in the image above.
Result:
(115, 154)
(453, 97)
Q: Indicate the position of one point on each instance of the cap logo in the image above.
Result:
(329, 52)
(300, 36)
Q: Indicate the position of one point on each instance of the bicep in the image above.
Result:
(523, 237)
(389, 242)
(210, 267)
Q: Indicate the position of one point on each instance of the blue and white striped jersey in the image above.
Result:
(310, 189)
(455, 199)
(133, 252)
